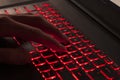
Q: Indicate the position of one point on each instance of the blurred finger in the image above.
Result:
(39, 22)
(13, 28)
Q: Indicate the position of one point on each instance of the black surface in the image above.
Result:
(103, 11)
(95, 31)
(17, 72)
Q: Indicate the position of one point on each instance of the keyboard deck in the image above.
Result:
(83, 61)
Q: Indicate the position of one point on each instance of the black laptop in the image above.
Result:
(93, 50)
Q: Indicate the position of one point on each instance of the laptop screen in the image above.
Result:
(117, 2)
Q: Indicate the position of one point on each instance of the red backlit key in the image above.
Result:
(35, 54)
(41, 48)
(58, 66)
(93, 56)
(61, 54)
(41, 60)
(74, 40)
(70, 35)
(86, 51)
(50, 75)
(65, 75)
(72, 66)
(47, 53)
(99, 63)
(71, 48)
(44, 68)
(36, 62)
(52, 59)
(65, 31)
(101, 54)
(108, 60)
(83, 61)
(76, 55)
(96, 75)
(108, 73)
(79, 74)
(89, 67)
(81, 45)
(66, 59)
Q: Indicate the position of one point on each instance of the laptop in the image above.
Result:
(92, 28)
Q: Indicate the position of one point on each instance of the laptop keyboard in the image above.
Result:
(82, 61)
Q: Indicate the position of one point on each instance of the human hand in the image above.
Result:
(28, 28)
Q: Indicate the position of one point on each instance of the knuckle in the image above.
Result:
(4, 18)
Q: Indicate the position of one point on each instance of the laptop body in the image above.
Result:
(79, 15)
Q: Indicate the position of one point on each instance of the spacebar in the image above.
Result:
(66, 75)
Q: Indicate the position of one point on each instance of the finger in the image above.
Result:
(14, 56)
(29, 33)
(39, 22)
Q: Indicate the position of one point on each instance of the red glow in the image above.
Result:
(80, 49)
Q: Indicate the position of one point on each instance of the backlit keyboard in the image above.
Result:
(83, 61)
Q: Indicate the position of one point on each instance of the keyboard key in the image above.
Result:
(50, 74)
(71, 48)
(66, 43)
(65, 31)
(75, 40)
(96, 75)
(88, 67)
(47, 53)
(36, 62)
(115, 66)
(86, 51)
(41, 48)
(109, 73)
(79, 74)
(108, 60)
(58, 66)
(41, 60)
(66, 59)
(35, 54)
(93, 56)
(44, 68)
(61, 54)
(81, 45)
(101, 54)
(76, 55)
(99, 63)
(72, 66)
(52, 59)
(65, 74)
(70, 35)
(82, 61)
(85, 39)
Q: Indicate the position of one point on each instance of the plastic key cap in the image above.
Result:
(83, 61)
(66, 59)
(96, 75)
(71, 48)
(93, 56)
(79, 74)
(99, 63)
(50, 74)
(44, 68)
(109, 73)
(65, 74)
(76, 55)
(89, 67)
(52, 59)
(58, 66)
